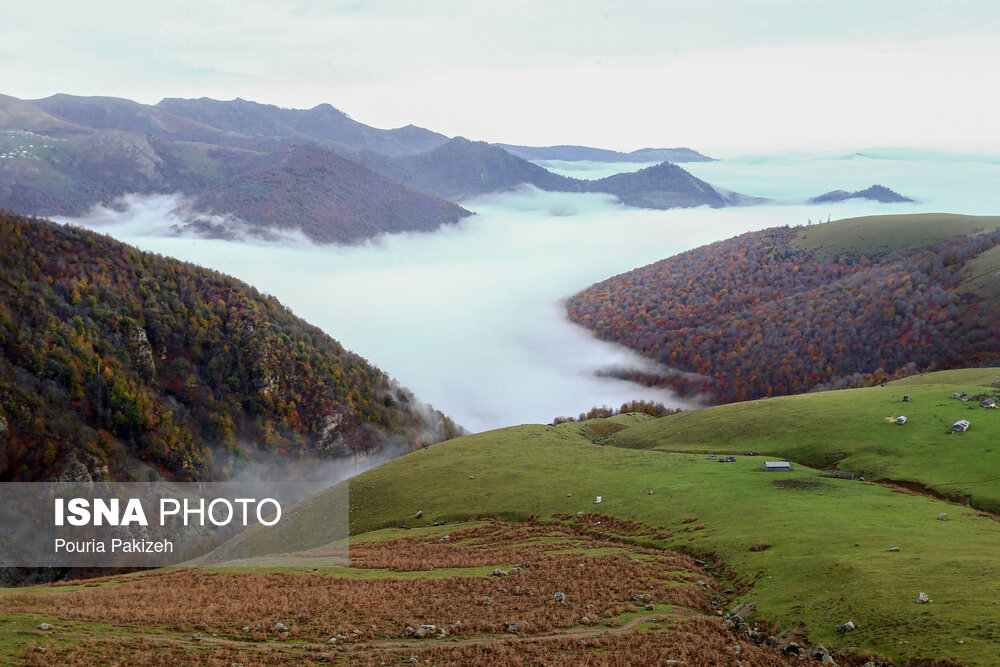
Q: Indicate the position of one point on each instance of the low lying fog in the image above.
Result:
(470, 317)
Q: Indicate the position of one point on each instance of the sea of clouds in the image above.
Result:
(471, 317)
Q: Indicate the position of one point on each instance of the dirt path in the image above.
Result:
(396, 645)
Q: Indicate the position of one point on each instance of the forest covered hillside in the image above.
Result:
(330, 198)
(787, 310)
(124, 364)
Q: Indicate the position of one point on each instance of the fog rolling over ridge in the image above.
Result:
(470, 316)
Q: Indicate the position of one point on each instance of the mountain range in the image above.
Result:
(462, 168)
(576, 153)
(315, 169)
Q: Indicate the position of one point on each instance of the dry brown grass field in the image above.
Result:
(226, 617)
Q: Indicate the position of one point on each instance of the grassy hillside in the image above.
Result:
(852, 430)
(828, 559)
(882, 234)
(807, 552)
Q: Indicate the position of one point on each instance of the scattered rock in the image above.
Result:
(846, 627)
(196, 637)
(280, 627)
(45, 626)
(906, 398)
(497, 572)
(516, 627)
(792, 649)
(893, 549)
(942, 517)
(445, 538)
(599, 499)
(426, 630)
(323, 657)
(585, 620)
(484, 601)
(560, 598)
(649, 607)
(827, 659)
(41, 649)
(642, 597)
(922, 598)
(649, 492)
(420, 513)
(412, 660)
(331, 640)
(442, 633)
(245, 628)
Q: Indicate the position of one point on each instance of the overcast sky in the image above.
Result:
(724, 76)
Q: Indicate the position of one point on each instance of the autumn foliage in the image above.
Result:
(754, 316)
(110, 355)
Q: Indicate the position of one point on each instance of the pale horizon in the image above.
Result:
(720, 77)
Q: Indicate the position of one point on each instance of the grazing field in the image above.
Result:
(829, 558)
(794, 552)
(883, 234)
(853, 430)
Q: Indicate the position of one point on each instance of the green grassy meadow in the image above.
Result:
(853, 430)
(829, 560)
(882, 234)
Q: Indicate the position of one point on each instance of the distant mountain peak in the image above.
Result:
(579, 153)
(876, 192)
